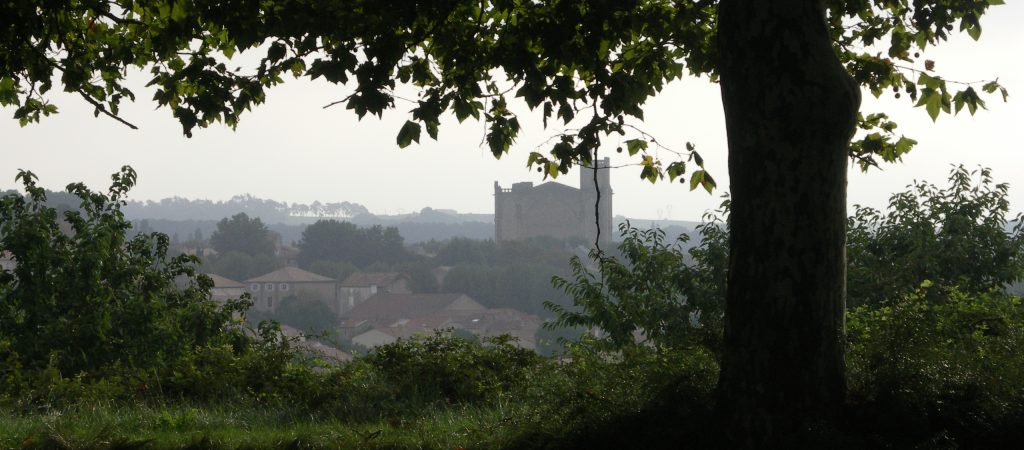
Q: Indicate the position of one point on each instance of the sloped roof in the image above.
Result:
(383, 330)
(367, 279)
(393, 307)
(221, 282)
(289, 275)
(507, 320)
(314, 347)
(487, 322)
(552, 187)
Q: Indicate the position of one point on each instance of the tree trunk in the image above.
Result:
(790, 110)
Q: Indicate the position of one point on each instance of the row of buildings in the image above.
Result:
(270, 289)
(376, 308)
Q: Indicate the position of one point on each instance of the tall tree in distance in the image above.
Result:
(243, 234)
(333, 241)
(790, 72)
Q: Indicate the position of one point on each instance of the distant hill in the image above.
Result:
(183, 218)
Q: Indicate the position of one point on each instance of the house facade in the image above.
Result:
(359, 286)
(269, 289)
(225, 289)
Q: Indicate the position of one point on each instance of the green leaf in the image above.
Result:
(276, 52)
(933, 105)
(409, 132)
(708, 183)
(432, 126)
(8, 91)
(930, 81)
(696, 179)
(634, 146)
(178, 12)
(534, 158)
(974, 31)
(650, 171)
(552, 170)
(904, 145)
(676, 170)
(462, 109)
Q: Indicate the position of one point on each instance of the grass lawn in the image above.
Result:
(246, 427)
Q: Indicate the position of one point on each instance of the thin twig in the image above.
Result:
(103, 109)
(338, 101)
(964, 83)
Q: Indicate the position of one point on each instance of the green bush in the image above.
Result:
(89, 312)
(960, 235)
(949, 361)
(443, 367)
(652, 293)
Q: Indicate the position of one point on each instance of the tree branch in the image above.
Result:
(99, 107)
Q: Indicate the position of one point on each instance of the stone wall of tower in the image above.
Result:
(598, 195)
(556, 210)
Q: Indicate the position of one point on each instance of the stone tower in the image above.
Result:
(597, 199)
(556, 210)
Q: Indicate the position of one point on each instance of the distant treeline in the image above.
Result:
(413, 232)
(181, 231)
(185, 219)
(183, 209)
(270, 211)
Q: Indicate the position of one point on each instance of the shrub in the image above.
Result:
(443, 367)
(648, 294)
(949, 361)
(88, 309)
(957, 236)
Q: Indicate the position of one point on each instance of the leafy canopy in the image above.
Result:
(590, 65)
(334, 241)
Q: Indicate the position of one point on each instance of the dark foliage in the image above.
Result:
(243, 234)
(331, 240)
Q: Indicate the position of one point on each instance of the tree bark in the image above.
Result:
(790, 110)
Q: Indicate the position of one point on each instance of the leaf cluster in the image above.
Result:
(959, 235)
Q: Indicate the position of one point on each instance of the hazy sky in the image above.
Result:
(291, 149)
